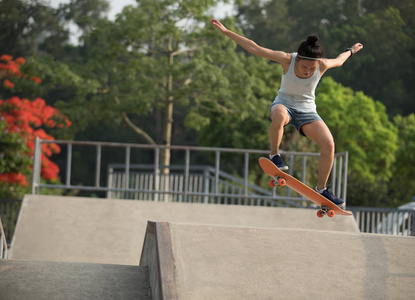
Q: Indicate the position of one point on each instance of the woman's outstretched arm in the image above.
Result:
(339, 60)
(252, 47)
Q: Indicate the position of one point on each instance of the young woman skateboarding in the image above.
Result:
(295, 104)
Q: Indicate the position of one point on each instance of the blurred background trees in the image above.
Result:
(160, 73)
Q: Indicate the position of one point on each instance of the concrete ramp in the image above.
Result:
(28, 280)
(75, 229)
(223, 262)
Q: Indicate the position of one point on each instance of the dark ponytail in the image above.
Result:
(311, 47)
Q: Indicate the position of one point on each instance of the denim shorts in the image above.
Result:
(298, 118)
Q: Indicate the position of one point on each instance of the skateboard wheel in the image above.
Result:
(331, 213)
(282, 182)
(272, 183)
(320, 214)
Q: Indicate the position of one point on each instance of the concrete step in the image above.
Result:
(49, 280)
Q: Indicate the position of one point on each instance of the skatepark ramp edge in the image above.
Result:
(196, 261)
(157, 255)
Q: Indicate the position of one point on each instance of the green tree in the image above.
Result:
(360, 126)
(157, 55)
(247, 125)
(23, 23)
(33, 27)
(402, 186)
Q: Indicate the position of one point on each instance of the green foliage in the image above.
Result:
(246, 126)
(402, 185)
(153, 56)
(61, 85)
(12, 148)
(33, 27)
(360, 126)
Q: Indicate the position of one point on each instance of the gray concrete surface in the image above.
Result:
(225, 262)
(37, 280)
(106, 231)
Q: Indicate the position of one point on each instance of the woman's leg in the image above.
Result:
(319, 133)
(279, 118)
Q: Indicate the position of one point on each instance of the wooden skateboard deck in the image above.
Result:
(281, 178)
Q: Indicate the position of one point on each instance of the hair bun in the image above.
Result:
(312, 39)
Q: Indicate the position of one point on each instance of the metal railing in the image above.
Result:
(216, 195)
(385, 220)
(199, 188)
(9, 213)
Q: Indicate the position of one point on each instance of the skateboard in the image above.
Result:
(283, 179)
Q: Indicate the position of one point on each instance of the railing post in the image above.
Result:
(36, 166)
(246, 173)
(217, 166)
(304, 171)
(206, 186)
(186, 175)
(110, 194)
(333, 176)
(156, 173)
(98, 167)
(68, 165)
(339, 177)
(127, 170)
(345, 163)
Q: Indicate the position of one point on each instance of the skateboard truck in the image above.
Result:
(325, 211)
(277, 181)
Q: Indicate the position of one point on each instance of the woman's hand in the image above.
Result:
(219, 26)
(356, 47)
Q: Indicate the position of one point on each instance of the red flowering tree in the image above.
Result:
(21, 121)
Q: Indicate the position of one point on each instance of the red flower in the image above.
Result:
(8, 84)
(27, 118)
(6, 57)
(36, 79)
(20, 60)
(49, 170)
(18, 178)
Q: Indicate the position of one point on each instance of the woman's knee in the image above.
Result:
(279, 115)
(328, 145)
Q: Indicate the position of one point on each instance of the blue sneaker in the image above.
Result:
(329, 195)
(277, 160)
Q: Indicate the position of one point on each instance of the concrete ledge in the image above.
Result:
(36, 280)
(107, 231)
(225, 262)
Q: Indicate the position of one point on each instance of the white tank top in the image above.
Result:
(298, 93)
